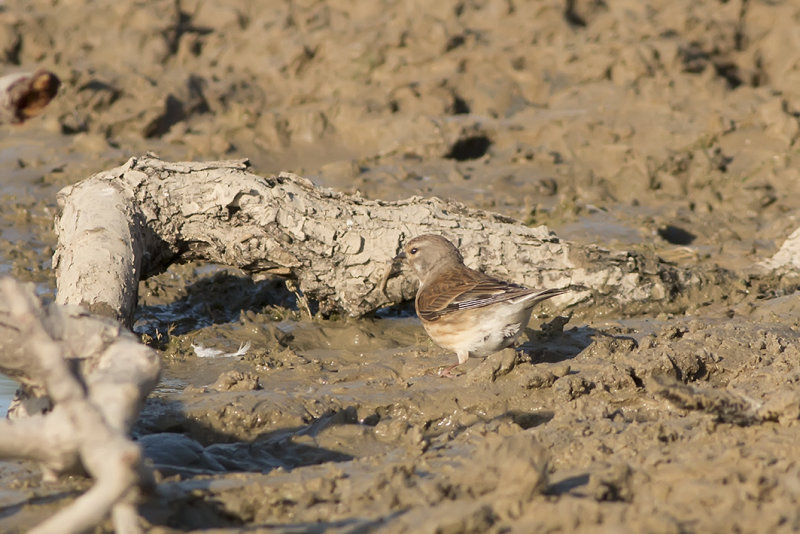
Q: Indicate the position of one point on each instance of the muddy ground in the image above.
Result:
(665, 125)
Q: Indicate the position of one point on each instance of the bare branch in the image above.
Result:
(94, 403)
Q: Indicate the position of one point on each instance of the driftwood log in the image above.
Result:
(125, 224)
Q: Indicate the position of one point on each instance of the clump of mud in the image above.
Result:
(669, 126)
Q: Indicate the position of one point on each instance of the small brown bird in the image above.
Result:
(462, 309)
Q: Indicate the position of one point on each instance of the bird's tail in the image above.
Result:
(536, 298)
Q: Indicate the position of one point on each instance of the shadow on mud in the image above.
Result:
(216, 299)
(191, 468)
(176, 452)
(551, 344)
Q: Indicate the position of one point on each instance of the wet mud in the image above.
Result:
(663, 126)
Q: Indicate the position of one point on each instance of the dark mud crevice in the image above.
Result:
(527, 420)
(578, 14)
(731, 74)
(469, 148)
(568, 484)
(696, 59)
(676, 235)
(182, 25)
(174, 112)
(179, 107)
(459, 106)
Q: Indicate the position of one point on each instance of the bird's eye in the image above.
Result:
(413, 250)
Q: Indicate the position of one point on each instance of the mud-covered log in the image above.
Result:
(124, 224)
(25, 95)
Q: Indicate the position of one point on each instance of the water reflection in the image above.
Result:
(7, 389)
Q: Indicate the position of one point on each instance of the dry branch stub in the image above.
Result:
(336, 246)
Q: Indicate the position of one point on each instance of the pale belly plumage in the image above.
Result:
(487, 333)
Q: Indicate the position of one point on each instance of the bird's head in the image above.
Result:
(427, 254)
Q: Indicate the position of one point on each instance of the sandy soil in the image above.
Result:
(665, 125)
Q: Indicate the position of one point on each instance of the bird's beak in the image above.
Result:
(399, 257)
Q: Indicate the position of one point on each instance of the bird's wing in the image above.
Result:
(465, 289)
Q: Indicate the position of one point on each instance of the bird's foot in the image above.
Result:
(447, 372)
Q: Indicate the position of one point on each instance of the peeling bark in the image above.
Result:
(336, 246)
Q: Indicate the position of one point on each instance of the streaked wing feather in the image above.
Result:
(487, 292)
(472, 289)
(434, 302)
